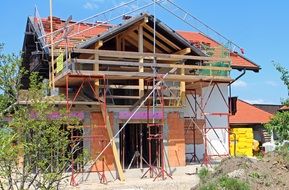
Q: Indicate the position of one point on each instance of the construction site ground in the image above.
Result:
(268, 172)
(183, 178)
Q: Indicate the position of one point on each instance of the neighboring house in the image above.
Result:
(108, 71)
(284, 108)
(271, 108)
(250, 116)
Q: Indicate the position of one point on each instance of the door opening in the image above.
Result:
(134, 146)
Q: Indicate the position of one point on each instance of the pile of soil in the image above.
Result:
(269, 172)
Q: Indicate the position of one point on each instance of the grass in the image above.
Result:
(225, 183)
(284, 152)
(255, 175)
(203, 174)
(222, 183)
(228, 183)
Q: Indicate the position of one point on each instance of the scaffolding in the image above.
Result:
(156, 168)
(210, 148)
(212, 71)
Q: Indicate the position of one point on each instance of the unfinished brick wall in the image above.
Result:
(99, 129)
(189, 131)
(176, 140)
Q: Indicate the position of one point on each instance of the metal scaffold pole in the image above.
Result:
(51, 74)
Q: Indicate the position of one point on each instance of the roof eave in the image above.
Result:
(255, 69)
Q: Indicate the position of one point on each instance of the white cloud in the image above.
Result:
(272, 83)
(240, 83)
(92, 4)
(258, 101)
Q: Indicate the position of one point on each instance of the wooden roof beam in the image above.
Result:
(184, 51)
(163, 38)
(158, 43)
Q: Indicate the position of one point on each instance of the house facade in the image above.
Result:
(155, 96)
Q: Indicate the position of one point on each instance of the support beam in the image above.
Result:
(159, 56)
(118, 40)
(96, 68)
(160, 44)
(141, 60)
(113, 145)
(147, 44)
(182, 89)
(184, 51)
(159, 65)
(167, 41)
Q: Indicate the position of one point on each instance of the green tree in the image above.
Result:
(285, 78)
(10, 78)
(279, 123)
(35, 151)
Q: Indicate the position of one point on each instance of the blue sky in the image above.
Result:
(260, 27)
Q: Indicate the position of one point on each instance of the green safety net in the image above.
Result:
(223, 53)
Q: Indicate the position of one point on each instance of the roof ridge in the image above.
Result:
(254, 106)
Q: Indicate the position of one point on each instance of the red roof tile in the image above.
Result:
(249, 114)
(238, 61)
(90, 30)
(194, 37)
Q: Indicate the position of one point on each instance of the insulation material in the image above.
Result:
(244, 141)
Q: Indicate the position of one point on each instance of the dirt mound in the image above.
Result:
(269, 172)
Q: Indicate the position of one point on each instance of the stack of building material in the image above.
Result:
(244, 141)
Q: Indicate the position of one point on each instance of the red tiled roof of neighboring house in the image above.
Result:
(249, 114)
(238, 61)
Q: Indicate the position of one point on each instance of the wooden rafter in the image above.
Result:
(163, 38)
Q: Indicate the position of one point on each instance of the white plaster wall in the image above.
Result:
(188, 112)
(214, 104)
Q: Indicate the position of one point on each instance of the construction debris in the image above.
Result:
(268, 172)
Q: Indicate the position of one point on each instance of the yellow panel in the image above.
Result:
(59, 63)
(244, 141)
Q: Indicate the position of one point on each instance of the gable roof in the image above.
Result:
(238, 61)
(100, 31)
(160, 27)
(249, 114)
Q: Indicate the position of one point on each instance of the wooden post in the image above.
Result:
(141, 60)
(96, 69)
(182, 89)
(118, 43)
(52, 48)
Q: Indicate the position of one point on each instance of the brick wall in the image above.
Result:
(189, 131)
(176, 140)
(100, 141)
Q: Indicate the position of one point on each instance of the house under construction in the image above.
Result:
(147, 96)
